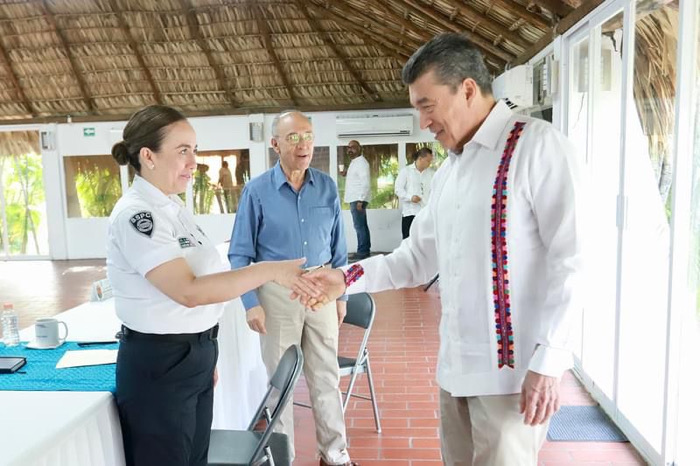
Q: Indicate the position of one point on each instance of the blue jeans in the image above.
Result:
(359, 220)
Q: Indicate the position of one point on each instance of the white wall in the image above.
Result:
(79, 238)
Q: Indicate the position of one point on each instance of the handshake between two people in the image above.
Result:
(315, 288)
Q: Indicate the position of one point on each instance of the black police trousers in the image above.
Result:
(165, 396)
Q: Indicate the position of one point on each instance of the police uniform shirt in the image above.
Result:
(147, 229)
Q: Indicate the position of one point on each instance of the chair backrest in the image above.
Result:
(360, 311)
(283, 381)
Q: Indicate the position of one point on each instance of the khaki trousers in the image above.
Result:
(287, 323)
(487, 431)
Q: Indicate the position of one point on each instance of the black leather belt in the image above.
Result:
(128, 334)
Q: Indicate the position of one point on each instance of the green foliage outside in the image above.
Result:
(382, 185)
(384, 168)
(439, 152)
(203, 193)
(23, 188)
(98, 191)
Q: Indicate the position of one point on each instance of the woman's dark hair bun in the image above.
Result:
(120, 153)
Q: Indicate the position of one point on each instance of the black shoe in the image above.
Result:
(359, 257)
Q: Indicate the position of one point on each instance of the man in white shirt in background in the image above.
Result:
(504, 230)
(357, 194)
(412, 187)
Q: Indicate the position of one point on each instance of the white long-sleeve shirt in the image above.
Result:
(411, 182)
(453, 236)
(357, 181)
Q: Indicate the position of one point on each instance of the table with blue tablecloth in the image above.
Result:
(81, 428)
(62, 417)
(40, 373)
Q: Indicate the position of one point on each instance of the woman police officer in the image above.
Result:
(168, 279)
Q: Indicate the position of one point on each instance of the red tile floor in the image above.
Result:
(403, 349)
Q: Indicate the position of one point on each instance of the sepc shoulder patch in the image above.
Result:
(143, 223)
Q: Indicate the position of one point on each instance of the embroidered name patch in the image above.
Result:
(185, 242)
(143, 223)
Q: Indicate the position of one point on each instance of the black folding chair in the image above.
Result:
(251, 448)
(360, 313)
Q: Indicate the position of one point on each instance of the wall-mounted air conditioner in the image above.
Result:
(349, 126)
(515, 87)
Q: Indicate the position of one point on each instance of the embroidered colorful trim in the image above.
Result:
(499, 253)
(353, 274)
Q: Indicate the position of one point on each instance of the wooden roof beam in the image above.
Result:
(386, 10)
(444, 21)
(521, 12)
(489, 23)
(48, 15)
(132, 43)
(388, 47)
(363, 15)
(265, 33)
(560, 28)
(399, 103)
(5, 57)
(193, 26)
(426, 36)
(367, 33)
(556, 7)
(331, 45)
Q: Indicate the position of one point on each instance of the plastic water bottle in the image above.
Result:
(10, 325)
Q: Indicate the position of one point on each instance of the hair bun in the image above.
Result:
(120, 153)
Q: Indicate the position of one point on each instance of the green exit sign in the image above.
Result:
(88, 132)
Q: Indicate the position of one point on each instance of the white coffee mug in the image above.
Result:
(47, 332)
(341, 167)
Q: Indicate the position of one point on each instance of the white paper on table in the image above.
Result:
(81, 358)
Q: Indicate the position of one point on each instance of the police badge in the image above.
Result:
(143, 223)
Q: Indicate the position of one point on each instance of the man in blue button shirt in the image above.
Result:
(291, 211)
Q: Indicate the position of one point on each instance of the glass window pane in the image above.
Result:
(646, 236)
(689, 404)
(22, 191)
(2, 233)
(320, 160)
(598, 324)
(92, 185)
(578, 96)
(603, 164)
(219, 180)
(272, 157)
(439, 152)
(383, 168)
(695, 199)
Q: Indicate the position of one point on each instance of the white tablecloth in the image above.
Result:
(60, 429)
(82, 428)
(242, 374)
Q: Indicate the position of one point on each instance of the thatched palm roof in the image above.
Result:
(106, 58)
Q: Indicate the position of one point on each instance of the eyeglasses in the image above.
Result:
(296, 138)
